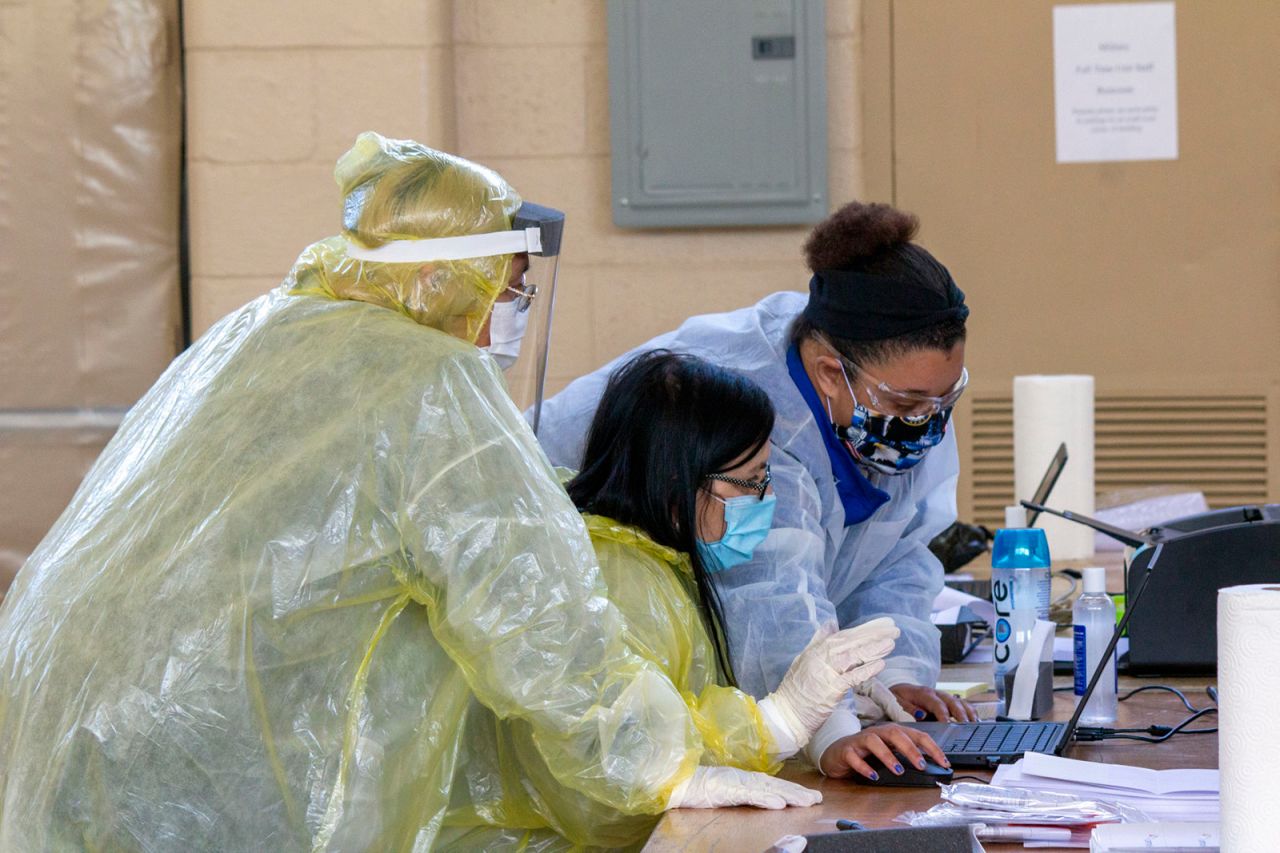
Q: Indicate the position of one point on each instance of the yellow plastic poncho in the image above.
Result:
(654, 588)
(318, 550)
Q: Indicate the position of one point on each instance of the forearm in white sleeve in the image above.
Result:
(780, 735)
(905, 585)
(842, 723)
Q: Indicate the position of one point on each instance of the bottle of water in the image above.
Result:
(1094, 616)
(1020, 593)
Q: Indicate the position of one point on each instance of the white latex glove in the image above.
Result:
(713, 787)
(875, 702)
(831, 665)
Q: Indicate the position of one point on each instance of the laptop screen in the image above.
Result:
(1048, 481)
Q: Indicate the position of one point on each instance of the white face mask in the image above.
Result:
(506, 330)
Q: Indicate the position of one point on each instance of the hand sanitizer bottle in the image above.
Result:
(1094, 616)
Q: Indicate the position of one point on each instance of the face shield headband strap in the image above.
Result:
(858, 306)
(451, 248)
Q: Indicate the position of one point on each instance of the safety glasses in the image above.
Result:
(524, 295)
(910, 406)
(759, 486)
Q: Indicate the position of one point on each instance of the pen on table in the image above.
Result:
(1024, 833)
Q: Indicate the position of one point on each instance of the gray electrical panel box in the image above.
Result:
(718, 112)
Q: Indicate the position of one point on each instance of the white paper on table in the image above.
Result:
(1123, 776)
(1013, 776)
(951, 598)
(1176, 806)
(1039, 650)
(1171, 836)
(950, 616)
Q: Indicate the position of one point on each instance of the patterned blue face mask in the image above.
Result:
(890, 444)
(747, 521)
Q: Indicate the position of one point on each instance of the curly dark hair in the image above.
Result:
(853, 236)
(876, 239)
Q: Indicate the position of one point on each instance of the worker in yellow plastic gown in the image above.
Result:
(317, 545)
(675, 486)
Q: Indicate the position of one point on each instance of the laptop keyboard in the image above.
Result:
(1000, 738)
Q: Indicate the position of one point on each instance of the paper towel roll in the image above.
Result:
(1248, 694)
(1048, 410)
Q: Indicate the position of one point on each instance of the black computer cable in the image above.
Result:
(1155, 733)
(1175, 691)
(1160, 734)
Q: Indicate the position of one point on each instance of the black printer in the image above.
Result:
(1174, 628)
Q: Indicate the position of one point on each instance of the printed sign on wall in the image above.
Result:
(1115, 82)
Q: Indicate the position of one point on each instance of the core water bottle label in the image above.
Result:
(1002, 598)
(1081, 660)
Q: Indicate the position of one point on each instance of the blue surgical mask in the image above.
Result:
(747, 521)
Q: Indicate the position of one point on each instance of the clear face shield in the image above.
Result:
(520, 324)
(527, 374)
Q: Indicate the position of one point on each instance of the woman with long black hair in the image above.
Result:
(674, 487)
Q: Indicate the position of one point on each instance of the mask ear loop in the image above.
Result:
(844, 374)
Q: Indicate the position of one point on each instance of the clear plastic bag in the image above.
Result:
(968, 802)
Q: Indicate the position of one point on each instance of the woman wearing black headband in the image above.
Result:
(863, 373)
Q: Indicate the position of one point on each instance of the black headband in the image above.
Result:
(859, 306)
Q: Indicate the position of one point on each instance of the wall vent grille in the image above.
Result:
(1216, 444)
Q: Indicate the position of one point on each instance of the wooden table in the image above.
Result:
(746, 829)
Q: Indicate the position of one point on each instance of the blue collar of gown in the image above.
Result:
(859, 498)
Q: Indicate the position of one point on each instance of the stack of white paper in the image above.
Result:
(946, 607)
(1172, 795)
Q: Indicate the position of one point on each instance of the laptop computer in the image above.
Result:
(986, 744)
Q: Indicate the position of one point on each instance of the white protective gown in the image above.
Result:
(812, 569)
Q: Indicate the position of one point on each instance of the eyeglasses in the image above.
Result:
(910, 405)
(760, 486)
(525, 294)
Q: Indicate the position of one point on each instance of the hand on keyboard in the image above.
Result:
(924, 701)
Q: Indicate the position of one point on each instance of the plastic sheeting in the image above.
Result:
(91, 133)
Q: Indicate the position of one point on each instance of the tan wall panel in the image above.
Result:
(90, 299)
(1145, 274)
(39, 472)
(89, 103)
(1128, 270)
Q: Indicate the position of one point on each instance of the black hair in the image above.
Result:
(665, 422)
(877, 239)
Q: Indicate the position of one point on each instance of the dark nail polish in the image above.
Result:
(919, 715)
(920, 764)
(897, 768)
(875, 776)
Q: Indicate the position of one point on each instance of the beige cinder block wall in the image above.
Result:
(277, 91)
